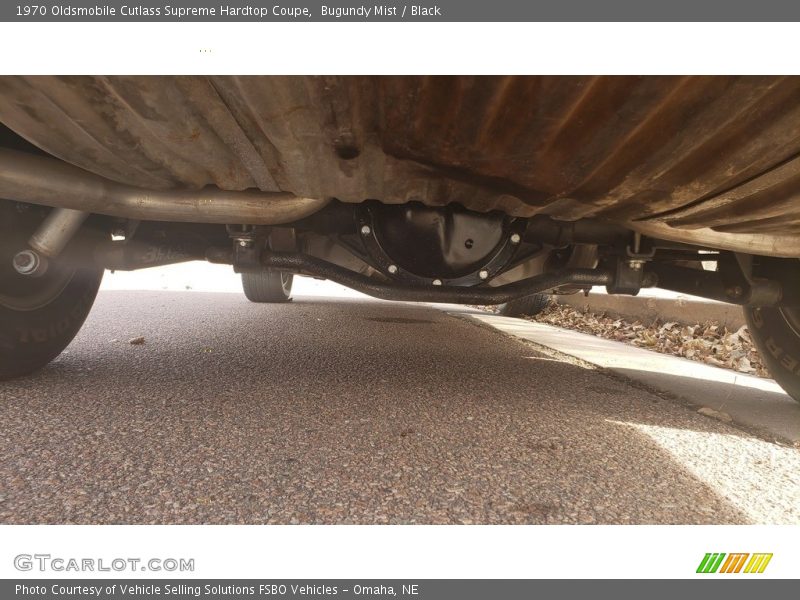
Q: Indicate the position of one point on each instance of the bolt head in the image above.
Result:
(515, 238)
(735, 291)
(636, 265)
(365, 230)
(26, 262)
(245, 243)
(483, 274)
(392, 269)
(437, 282)
(23, 260)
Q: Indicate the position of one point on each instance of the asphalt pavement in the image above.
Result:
(356, 411)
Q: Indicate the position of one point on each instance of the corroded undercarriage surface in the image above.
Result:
(685, 154)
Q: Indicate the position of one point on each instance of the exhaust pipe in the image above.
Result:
(51, 182)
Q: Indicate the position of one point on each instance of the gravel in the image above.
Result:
(323, 411)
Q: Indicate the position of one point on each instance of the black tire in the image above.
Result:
(267, 286)
(776, 334)
(39, 316)
(527, 306)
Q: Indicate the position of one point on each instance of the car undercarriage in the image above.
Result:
(471, 190)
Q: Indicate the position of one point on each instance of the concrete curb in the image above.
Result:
(647, 309)
(723, 394)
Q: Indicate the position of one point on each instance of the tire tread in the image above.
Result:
(264, 287)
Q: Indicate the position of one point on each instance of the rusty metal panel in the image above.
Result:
(690, 152)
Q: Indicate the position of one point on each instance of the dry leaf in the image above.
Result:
(704, 342)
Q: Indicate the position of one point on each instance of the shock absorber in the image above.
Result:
(49, 239)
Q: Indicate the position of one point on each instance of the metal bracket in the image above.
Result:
(741, 287)
(636, 259)
(627, 278)
(124, 231)
(247, 248)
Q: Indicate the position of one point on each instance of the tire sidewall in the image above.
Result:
(29, 339)
(778, 344)
(527, 306)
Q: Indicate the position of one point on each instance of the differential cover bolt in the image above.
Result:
(365, 230)
(437, 282)
(515, 239)
(392, 269)
(483, 274)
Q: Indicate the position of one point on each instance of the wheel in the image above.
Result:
(526, 306)
(776, 334)
(267, 286)
(39, 316)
